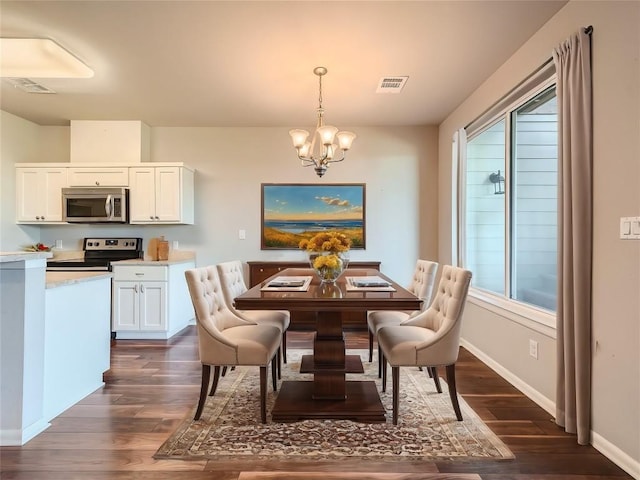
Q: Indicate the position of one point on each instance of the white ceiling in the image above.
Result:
(250, 63)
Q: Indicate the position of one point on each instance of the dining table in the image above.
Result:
(329, 395)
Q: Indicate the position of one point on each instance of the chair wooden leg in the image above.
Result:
(380, 356)
(278, 361)
(370, 346)
(383, 364)
(216, 378)
(451, 380)
(204, 386)
(274, 371)
(224, 370)
(284, 346)
(263, 394)
(433, 373)
(395, 378)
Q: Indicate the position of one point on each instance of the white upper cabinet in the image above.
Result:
(162, 194)
(98, 177)
(158, 192)
(39, 194)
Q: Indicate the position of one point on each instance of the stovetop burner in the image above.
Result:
(99, 253)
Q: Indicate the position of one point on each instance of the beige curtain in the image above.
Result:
(573, 390)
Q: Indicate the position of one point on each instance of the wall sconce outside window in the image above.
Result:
(498, 183)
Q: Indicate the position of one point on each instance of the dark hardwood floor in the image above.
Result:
(114, 432)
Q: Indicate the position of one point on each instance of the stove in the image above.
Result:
(98, 255)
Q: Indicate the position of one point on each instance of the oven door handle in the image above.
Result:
(108, 206)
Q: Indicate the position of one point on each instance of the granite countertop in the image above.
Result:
(174, 259)
(60, 279)
(21, 256)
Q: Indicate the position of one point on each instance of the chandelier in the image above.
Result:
(322, 150)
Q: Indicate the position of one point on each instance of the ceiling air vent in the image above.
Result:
(391, 84)
(28, 85)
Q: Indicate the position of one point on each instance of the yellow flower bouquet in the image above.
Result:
(328, 254)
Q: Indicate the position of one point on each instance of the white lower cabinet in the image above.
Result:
(150, 301)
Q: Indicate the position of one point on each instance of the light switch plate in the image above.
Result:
(630, 228)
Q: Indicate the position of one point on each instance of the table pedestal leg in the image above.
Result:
(329, 396)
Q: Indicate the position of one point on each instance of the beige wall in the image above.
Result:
(616, 264)
(398, 166)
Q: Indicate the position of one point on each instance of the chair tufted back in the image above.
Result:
(444, 315)
(212, 314)
(424, 277)
(232, 279)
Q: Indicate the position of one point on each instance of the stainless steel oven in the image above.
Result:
(95, 205)
(98, 255)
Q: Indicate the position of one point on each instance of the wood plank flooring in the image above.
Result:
(114, 432)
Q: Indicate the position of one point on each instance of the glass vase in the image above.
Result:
(328, 265)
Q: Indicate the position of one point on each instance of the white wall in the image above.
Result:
(398, 166)
(616, 264)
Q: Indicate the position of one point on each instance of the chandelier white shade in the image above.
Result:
(322, 149)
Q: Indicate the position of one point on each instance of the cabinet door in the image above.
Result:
(126, 306)
(99, 177)
(168, 194)
(142, 195)
(153, 308)
(39, 194)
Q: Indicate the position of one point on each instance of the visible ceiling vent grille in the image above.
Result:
(391, 84)
(28, 85)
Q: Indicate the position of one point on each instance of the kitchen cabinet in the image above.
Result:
(162, 194)
(150, 299)
(259, 271)
(98, 177)
(39, 194)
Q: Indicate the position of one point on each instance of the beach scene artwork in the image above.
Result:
(292, 212)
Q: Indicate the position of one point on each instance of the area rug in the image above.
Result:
(230, 428)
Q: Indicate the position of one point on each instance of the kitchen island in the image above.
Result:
(77, 337)
(47, 322)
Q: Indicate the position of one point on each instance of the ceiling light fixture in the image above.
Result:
(39, 58)
(321, 151)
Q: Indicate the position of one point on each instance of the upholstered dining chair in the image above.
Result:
(232, 280)
(225, 339)
(431, 338)
(421, 286)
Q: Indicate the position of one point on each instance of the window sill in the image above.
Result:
(536, 319)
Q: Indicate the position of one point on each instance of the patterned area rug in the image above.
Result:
(230, 425)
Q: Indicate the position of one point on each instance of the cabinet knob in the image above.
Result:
(135, 288)
(97, 183)
(151, 217)
(262, 269)
(157, 218)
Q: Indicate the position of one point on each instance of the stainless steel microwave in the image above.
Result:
(95, 205)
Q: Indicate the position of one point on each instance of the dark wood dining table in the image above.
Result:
(329, 395)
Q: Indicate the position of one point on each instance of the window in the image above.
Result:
(509, 200)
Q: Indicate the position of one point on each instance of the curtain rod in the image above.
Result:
(587, 30)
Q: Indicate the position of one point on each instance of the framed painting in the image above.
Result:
(293, 211)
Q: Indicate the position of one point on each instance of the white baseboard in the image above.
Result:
(609, 450)
(17, 438)
(617, 456)
(542, 401)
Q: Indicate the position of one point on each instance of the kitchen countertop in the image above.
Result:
(174, 259)
(59, 279)
(20, 256)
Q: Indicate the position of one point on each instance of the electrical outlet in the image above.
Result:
(533, 349)
(242, 234)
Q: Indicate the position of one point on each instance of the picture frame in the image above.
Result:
(293, 211)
